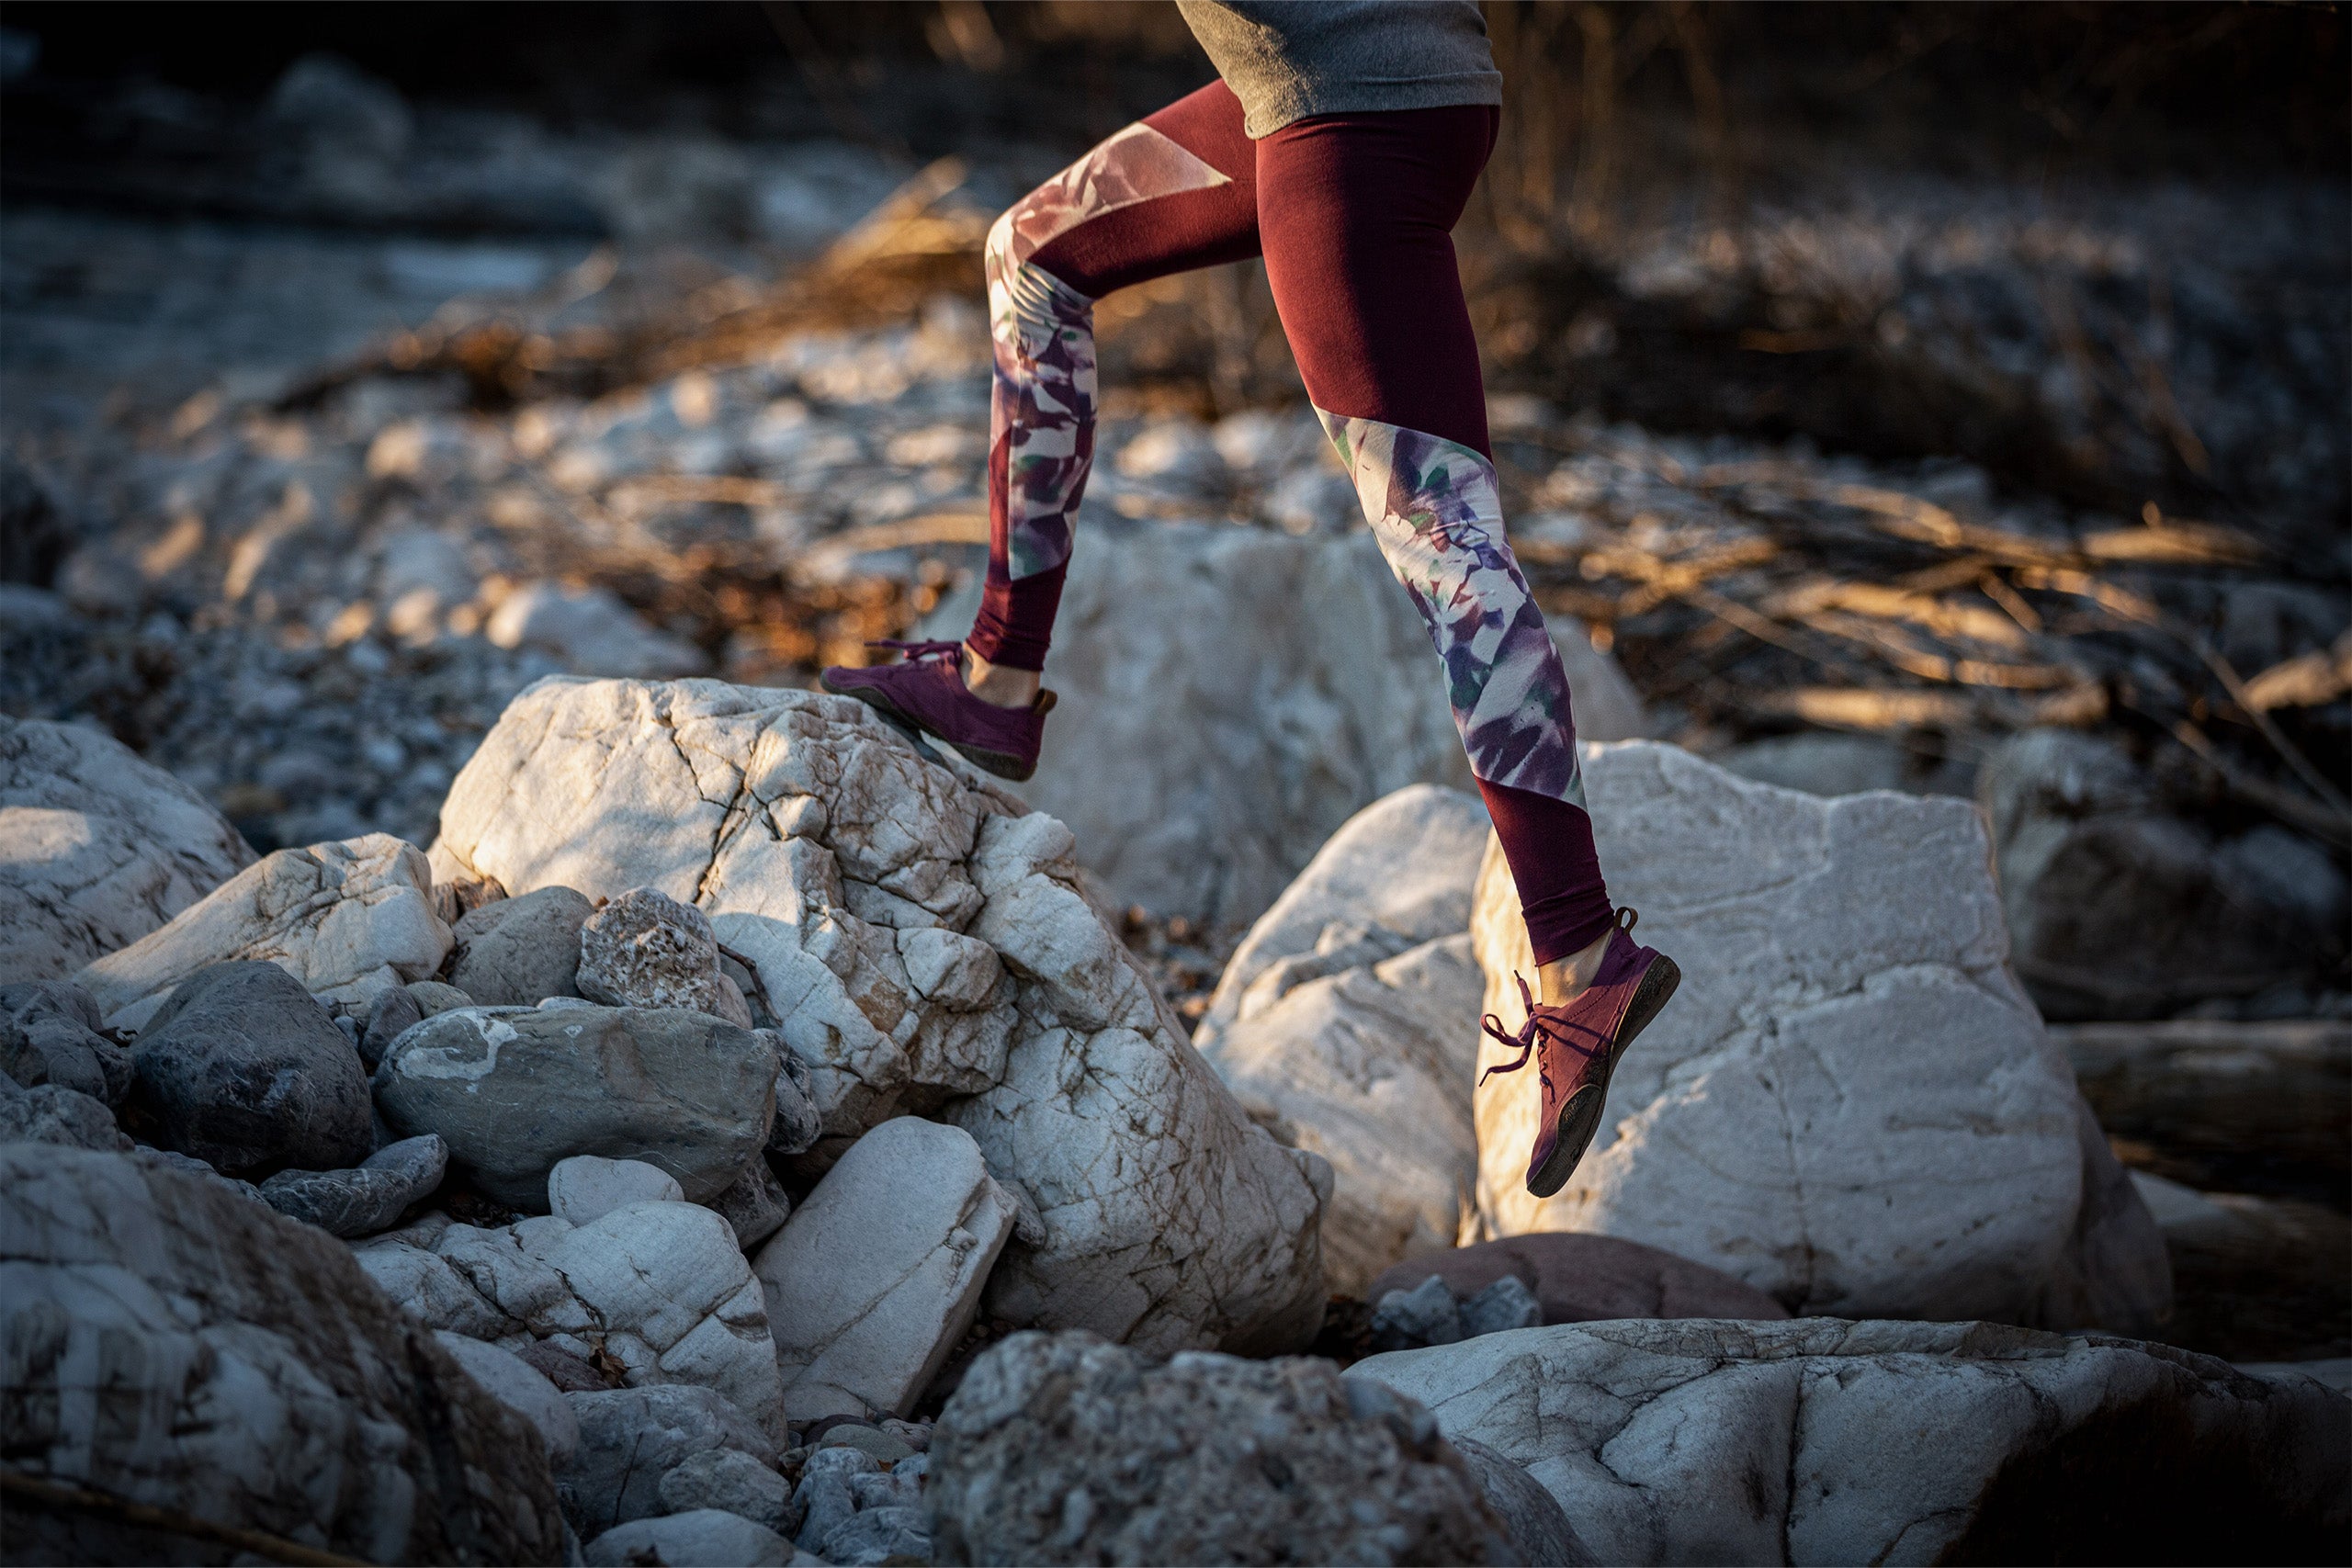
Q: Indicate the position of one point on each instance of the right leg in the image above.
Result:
(1172, 192)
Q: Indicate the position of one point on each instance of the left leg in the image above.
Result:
(1355, 215)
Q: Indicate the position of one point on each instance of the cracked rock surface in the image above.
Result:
(349, 919)
(249, 1375)
(1062, 1448)
(1338, 1023)
(1828, 1441)
(925, 951)
(96, 848)
(1849, 1104)
(660, 1288)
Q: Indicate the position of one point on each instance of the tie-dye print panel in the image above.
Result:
(1435, 510)
(1041, 422)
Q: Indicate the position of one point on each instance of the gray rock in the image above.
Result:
(645, 949)
(798, 1123)
(518, 951)
(733, 1480)
(434, 997)
(362, 1201)
(51, 1114)
(882, 1446)
(49, 1034)
(756, 1206)
(1034, 1461)
(196, 1170)
(242, 1069)
(248, 1374)
(521, 1388)
(389, 1017)
(515, 1090)
(1425, 1314)
(631, 1437)
(826, 1497)
(1576, 1279)
(879, 1535)
(1539, 1529)
(2119, 909)
(1823, 1440)
(1503, 1305)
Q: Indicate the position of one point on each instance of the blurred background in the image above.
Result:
(1950, 398)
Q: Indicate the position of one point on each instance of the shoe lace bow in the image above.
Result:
(1539, 1026)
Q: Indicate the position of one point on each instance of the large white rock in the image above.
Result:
(1816, 1440)
(659, 1286)
(927, 952)
(1396, 874)
(350, 919)
(876, 1278)
(174, 1345)
(1371, 1069)
(1338, 1023)
(96, 848)
(1849, 1104)
(1228, 697)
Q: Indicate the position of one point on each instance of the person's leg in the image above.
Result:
(1355, 215)
(1175, 191)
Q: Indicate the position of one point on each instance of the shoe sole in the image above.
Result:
(1003, 764)
(1580, 1117)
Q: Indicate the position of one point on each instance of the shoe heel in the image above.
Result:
(1657, 988)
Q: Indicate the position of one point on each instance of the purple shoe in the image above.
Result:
(925, 694)
(1577, 1045)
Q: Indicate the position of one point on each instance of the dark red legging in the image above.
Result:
(1353, 215)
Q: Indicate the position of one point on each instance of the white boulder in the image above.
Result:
(1396, 874)
(1817, 1440)
(659, 1288)
(589, 1187)
(876, 1278)
(1230, 697)
(1849, 1104)
(1338, 1022)
(929, 953)
(96, 848)
(350, 920)
(1371, 1069)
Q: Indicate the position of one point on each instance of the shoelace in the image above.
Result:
(1538, 1026)
(915, 650)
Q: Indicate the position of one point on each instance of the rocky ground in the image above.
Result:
(567, 1090)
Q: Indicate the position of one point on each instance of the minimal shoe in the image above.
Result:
(1576, 1045)
(925, 694)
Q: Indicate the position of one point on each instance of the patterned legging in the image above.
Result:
(1353, 214)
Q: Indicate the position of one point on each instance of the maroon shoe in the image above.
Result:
(1576, 1045)
(925, 694)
